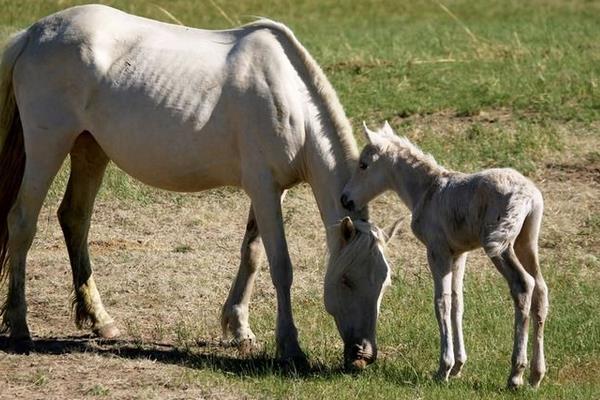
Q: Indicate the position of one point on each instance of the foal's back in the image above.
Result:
(475, 208)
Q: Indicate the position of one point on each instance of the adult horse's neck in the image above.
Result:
(330, 159)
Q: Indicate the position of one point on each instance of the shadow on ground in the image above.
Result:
(206, 355)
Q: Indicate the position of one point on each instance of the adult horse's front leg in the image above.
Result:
(88, 163)
(234, 315)
(267, 210)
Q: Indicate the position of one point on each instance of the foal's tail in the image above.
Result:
(12, 150)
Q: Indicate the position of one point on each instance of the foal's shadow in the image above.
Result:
(205, 355)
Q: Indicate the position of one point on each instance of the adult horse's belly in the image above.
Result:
(161, 147)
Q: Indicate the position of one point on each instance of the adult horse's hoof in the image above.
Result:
(246, 347)
(295, 363)
(20, 345)
(108, 331)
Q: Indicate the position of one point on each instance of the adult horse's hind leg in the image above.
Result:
(521, 286)
(234, 315)
(88, 163)
(45, 154)
(526, 248)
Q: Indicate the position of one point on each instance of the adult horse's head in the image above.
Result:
(356, 277)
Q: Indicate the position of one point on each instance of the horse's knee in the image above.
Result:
(21, 229)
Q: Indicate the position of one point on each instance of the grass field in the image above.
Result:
(477, 84)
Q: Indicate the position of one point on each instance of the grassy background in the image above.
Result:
(478, 84)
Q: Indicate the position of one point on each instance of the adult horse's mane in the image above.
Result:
(320, 86)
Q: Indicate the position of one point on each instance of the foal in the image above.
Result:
(453, 213)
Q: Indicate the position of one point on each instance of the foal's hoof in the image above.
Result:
(514, 382)
(456, 370)
(535, 379)
(20, 345)
(108, 331)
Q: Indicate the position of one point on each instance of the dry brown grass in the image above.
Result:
(164, 269)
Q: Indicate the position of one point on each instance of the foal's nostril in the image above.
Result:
(347, 204)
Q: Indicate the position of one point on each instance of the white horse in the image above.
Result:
(185, 110)
(452, 213)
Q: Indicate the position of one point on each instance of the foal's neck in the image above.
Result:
(413, 179)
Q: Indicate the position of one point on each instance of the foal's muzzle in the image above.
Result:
(347, 204)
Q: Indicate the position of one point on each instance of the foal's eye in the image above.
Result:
(362, 165)
(346, 282)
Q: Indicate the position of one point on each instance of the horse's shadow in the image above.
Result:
(205, 355)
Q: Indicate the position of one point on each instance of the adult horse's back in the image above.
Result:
(181, 109)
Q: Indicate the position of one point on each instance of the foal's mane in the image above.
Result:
(318, 84)
(402, 148)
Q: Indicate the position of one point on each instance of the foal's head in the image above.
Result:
(373, 175)
(355, 281)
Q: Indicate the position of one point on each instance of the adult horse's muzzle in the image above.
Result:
(358, 355)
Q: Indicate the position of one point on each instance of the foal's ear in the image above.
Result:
(348, 230)
(388, 129)
(391, 231)
(369, 134)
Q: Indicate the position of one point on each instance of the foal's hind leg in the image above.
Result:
(44, 158)
(88, 163)
(521, 288)
(526, 248)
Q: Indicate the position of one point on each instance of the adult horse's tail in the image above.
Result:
(12, 150)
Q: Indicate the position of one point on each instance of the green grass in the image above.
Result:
(408, 339)
(399, 60)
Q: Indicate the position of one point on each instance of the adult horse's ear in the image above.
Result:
(392, 230)
(348, 230)
(388, 129)
(369, 134)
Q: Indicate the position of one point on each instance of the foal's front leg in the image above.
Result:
(440, 263)
(458, 273)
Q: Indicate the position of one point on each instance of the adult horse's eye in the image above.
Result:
(362, 165)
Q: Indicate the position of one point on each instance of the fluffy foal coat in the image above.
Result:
(453, 213)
